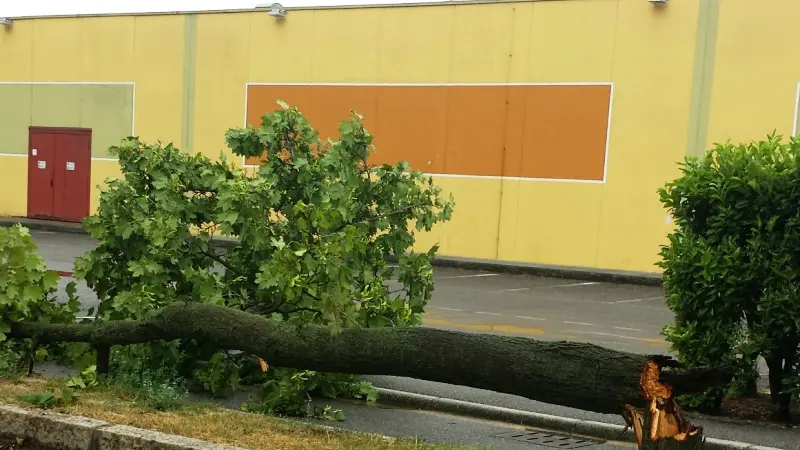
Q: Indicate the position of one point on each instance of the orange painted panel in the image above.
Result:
(332, 104)
(537, 131)
(261, 100)
(323, 106)
(411, 126)
(565, 132)
(476, 117)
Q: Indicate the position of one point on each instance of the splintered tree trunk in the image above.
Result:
(577, 375)
(660, 425)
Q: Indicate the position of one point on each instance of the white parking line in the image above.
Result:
(634, 300)
(487, 313)
(469, 276)
(627, 329)
(445, 309)
(588, 283)
(528, 318)
(500, 291)
(603, 334)
(579, 323)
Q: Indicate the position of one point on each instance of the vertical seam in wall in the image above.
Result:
(795, 127)
(505, 133)
(449, 88)
(376, 104)
(189, 60)
(449, 80)
(524, 120)
(598, 239)
(702, 76)
(133, 93)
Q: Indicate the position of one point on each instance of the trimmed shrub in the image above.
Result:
(731, 266)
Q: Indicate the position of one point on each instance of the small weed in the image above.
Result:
(9, 360)
(163, 396)
(152, 377)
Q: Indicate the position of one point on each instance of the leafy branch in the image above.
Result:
(293, 262)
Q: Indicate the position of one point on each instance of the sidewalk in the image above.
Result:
(60, 251)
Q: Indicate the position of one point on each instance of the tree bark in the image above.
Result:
(577, 375)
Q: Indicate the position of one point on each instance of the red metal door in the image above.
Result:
(59, 172)
(71, 175)
(41, 146)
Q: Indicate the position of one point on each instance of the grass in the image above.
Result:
(205, 421)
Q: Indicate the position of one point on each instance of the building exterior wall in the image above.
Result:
(513, 101)
(755, 71)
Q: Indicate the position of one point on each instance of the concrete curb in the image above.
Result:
(543, 270)
(550, 271)
(587, 428)
(65, 432)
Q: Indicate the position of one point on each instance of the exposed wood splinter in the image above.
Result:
(662, 426)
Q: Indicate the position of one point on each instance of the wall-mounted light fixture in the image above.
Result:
(658, 1)
(274, 9)
(6, 22)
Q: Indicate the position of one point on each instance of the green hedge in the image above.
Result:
(731, 266)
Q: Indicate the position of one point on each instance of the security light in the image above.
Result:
(6, 21)
(275, 9)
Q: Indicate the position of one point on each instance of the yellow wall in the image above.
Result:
(146, 50)
(647, 52)
(756, 70)
(690, 70)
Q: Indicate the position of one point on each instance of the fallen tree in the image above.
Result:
(572, 374)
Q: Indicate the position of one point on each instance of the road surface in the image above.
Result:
(624, 317)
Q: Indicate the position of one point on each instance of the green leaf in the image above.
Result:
(50, 280)
(4, 330)
(231, 217)
(278, 243)
(40, 399)
(71, 289)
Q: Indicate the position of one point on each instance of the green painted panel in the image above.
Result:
(105, 108)
(15, 111)
(108, 111)
(189, 63)
(56, 105)
(702, 76)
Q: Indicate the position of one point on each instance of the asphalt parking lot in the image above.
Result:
(624, 317)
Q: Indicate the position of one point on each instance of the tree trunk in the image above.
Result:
(577, 375)
(781, 400)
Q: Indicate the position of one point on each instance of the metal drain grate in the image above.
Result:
(548, 439)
